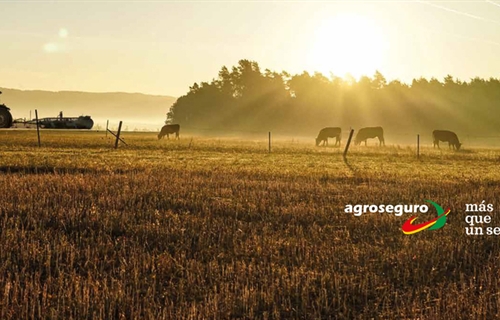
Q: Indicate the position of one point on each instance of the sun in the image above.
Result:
(347, 44)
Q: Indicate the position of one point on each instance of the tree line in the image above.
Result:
(245, 98)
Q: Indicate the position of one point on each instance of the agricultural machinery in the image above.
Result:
(5, 116)
(59, 122)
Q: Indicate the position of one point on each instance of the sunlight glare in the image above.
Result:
(63, 33)
(348, 44)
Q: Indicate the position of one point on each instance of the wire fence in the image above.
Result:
(390, 137)
(415, 139)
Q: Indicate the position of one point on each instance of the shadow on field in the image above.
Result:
(54, 170)
(466, 151)
(349, 166)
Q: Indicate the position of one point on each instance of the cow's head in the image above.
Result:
(160, 136)
(458, 146)
(318, 140)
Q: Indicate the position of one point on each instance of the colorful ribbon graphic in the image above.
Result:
(436, 223)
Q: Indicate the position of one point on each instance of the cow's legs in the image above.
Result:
(366, 141)
(326, 142)
(168, 136)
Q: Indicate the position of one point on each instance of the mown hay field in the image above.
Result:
(219, 228)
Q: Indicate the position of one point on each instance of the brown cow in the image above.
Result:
(446, 136)
(169, 129)
(326, 133)
(368, 133)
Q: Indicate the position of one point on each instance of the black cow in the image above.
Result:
(326, 133)
(169, 129)
(368, 133)
(446, 136)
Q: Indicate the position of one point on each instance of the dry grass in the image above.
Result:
(208, 228)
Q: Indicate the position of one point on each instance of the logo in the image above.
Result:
(434, 224)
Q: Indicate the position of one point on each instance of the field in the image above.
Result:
(219, 228)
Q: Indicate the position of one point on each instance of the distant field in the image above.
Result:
(207, 228)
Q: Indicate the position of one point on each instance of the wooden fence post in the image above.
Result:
(348, 142)
(418, 146)
(107, 125)
(269, 141)
(37, 128)
(118, 134)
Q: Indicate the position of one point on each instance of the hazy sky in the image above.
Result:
(163, 47)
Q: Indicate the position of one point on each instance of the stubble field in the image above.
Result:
(219, 228)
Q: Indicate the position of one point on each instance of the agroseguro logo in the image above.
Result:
(408, 226)
(433, 224)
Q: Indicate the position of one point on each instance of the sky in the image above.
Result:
(163, 47)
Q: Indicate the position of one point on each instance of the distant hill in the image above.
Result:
(136, 110)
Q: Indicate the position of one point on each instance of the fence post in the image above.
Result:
(348, 142)
(118, 134)
(418, 146)
(107, 125)
(269, 141)
(37, 128)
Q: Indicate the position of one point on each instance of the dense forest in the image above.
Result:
(245, 98)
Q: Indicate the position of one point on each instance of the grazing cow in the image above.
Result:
(446, 136)
(169, 129)
(368, 133)
(326, 133)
